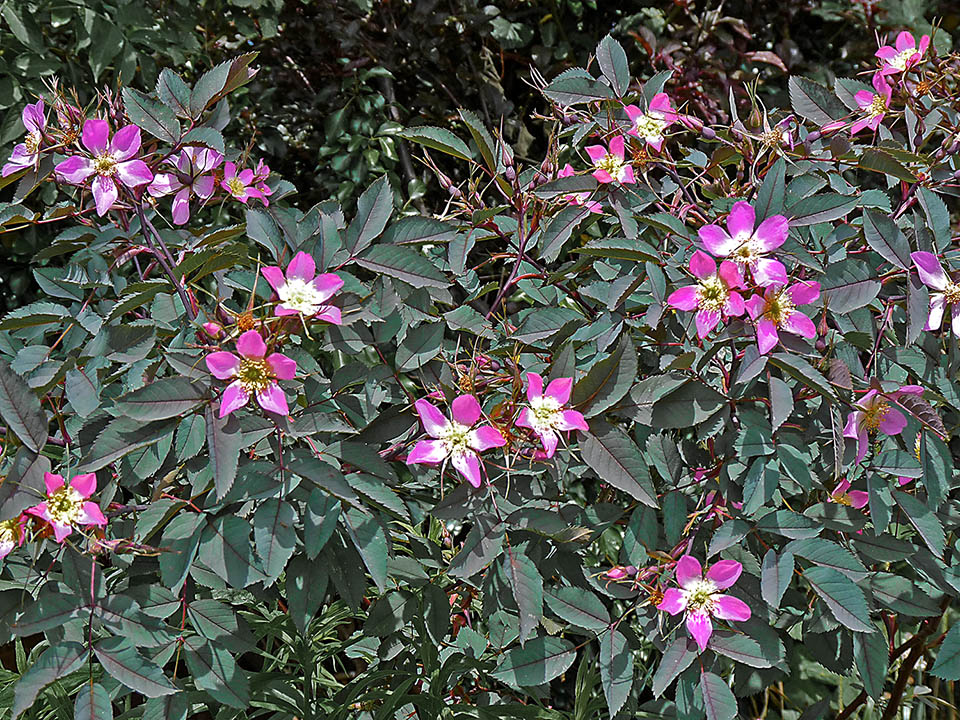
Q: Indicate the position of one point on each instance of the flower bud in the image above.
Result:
(708, 133)
(213, 330)
(505, 156)
(510, 174)
(691, 123)
(954, 147)
(813, 136)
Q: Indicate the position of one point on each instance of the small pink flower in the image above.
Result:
(701, 599)
(714, 297)
(256, 374)
(456, 440)
(194, 176)
(65, 508)
(109, 160)
(620, 572)
(546, 414)
(610, 165)
(27, 153)
(904, 56)
(875, 412)
(580, 198)
(777, 310)
(651, 125)
(302, 293)
(12, 533)
(260, 175)
(843, 495)
(946, 292)
(747, 247)
(874, 106)
(243, 185)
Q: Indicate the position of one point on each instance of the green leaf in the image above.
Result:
(82, 393)
(801, 370)
(538, 662)
(924, 521)
(775, 575)
(938, 217)
(617, 460)
(417, 230)
(678, 656)
(275, 535)
(947, 665)
(576, 87)
(224, 441)
(887, 239)
(772, 191)
(742, 648)
(718, 701)
(881, 162)
(814, 102)
(214, 670)
(173, 92)
(482, 546)
(121, 437)
(402, 263)
(826, 207)
(181, 538)
(828, 554)
(161, 399)
(485, 144)
(220, 81)
(438, 139)
(106, 41)
(152, 116)
(421, 345)
(615, 68)
(168, 707)
(320, 521)
(781, 402)
(527, 587)
(370, 539)
(20, 409)
(306, 587)
(373, 211)
(848, 286)
(123, 663)
(579, 607)
(901, 595)
(559, 230)
(607, 381)
(842, 596)
(51, 609)
(616, 669)
(92, 703)
(225, 548)
(56, 662)
(218, 622)
(871, 653)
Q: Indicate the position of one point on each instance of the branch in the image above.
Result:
(162, 256)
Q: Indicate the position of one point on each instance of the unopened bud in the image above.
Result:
(833, 127)
(454, 191)
(820, 345)
(445, 182)
(918, 141)
(212, 329)
(506, 156)
(510, 174)
(813, 137)
(691, 123)
(954, 147)
(708, 133)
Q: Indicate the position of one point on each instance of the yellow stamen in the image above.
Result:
(712, 294)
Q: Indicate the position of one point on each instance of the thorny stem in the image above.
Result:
(163, 257)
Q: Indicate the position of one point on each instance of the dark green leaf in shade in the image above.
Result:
(123, 663)
(539, 661)
(718, 700)
(842, 596)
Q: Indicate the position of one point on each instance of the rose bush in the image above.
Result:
(659, 424)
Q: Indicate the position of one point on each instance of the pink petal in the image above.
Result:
(327, 285)
(800, 324)
(572, 420)
(465, 410)
(938, 302)
(673, 602)
(862, 442)
(534, 386)
(34, 119)
(804, 293)
(468, 465)
(626, 175)
(602, 176)
(90, 514)
(329, 314)
(596, 153)
(223, 365)
(251, 345)
(893, 422)
(724, 573)
(283, 368)
(706, 320)
(427, 452)
(922, 48)
(741, 221)
(702, 265)
(567, 170)
(633, 112)
(905, 41)
(716, 240)
(60, 532)
(767, 271)
(53, 482)
(772, 232)
(39, 511)
(550, 441)
(274, 276)
(727, 607)
(858, 498)
(74, 169)
(864, 98)
(433, 420)
(302, 266)
(134, 173)
(234, 397)
(859, 125)
(684, 298)
(735, 305)
(730, 274)
(204, 186)
(841, 487)
(484, 438)
(524, 419)
(181, 207)
(85, 484)
(125, 143)
(700, 628)
(105, 193)
(688, 571)
(96, 133)
(930, 270)
(767, 336)
(886, 52)
(955, 319)
(852, 428)
(229, 171)
(617, 146)
(560, 389)
(660, 102)
(755, 305)
(273, 399)
(164, 184)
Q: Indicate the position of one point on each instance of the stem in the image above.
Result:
(164, 258)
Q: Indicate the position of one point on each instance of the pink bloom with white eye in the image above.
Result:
(945, 291)
(714, 297)
(193, 176)
(302, 293)
(109, 160)
(747, 246)
(12, 533)
(456, 440)
(701, 599)
(65, 507)
(546, 414)
(27, 153)
(243, 185)
(777, 310)
(253, 373)
(843, 495)
(610, 166)
(874, 106)
(905, 55)
(580, 198)
(651, 125)
(876, 412)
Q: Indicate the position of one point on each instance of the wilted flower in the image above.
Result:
(27, 153)
(12, 532)
(110, 163)
(651, 125)
(579, 198)
(256, 374)
(65, 507)
(875, 412)
(455, 440)
(904, 56)
(701, 597)
(714, 297)
(302, 293)
(777, 310)
(874, 106)
(546, 414)
(194, 176)
(243, 185)
(610, 165)
(946, 292)
(746, 246)
(843, 495)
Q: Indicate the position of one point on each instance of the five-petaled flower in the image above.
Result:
(873, 105)
(747, 246)
(546, 414)
(777, 310)
(905, 55)
(578, 198)
(876, 412)
(843, 495)
(946, 292)
(193, 176)
(456, 440)
(302, 293)
(714, 296)
(12, 532)
(701, 598)
(254, 373)
(66, 505)
(651, 125)
(27, 153)
(610, 166)
(245, 184)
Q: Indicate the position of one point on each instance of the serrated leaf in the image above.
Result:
(821, 208)
(607, 381)
(742, 648)
(678, 656)
(123, 663)
(883, 235)
(152, 116)
(92, 703)
(842, 596)
(574, 89)
(224, 441)
(161, 399)
(775, 575)
(926, 523)
(617, 460)
(56, 662)
(527, 587)
(616, 669)
(438, 139)
(20, 409)
(718, 700)
(615, 68)
(275, 535)
(578, 606)
(947, 665)
(482, 546)
(814, 102)
(214, 669)
(871, 654)
(402, 263)
(373, 211)
(538, 662)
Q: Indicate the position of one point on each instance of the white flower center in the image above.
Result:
(105, 164)
(236, 186)
(65, 506)
(699, 596)
(951, 293)
(900, 60)
(255, 375)
(878, 106)
(612, 164)
(544, 413)
(650, 127)
(32, 142)
(779, 308)
(712, 294)
(455, 437)
(300, 295)
(9, 532)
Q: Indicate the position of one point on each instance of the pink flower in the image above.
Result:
(546, 414)
(620, 572)
(27, 153)
(701, 599)
(946, 292)
(456, 441)
(12, 532)
(194, 176)
(843, 495)
(244, 185)
(746, 246)
(777, 310)
(874, 412)
(610, 166)
(651, 125)
(65, 508)
(713, 297)
(302, 293)
(110, 164)
(904, 56)
(580, 198)
(256, 374)
(873, 105)
(260, 175)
